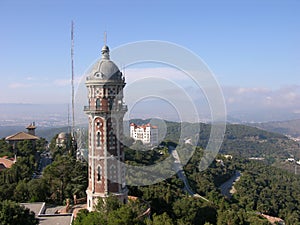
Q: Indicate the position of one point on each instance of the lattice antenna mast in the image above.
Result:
(72, 80)
(69, 118)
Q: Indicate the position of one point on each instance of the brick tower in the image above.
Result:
(105, 112)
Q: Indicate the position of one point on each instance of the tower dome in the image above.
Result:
(104, 69)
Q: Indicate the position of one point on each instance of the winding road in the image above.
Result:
(227, 186)
(181, 174)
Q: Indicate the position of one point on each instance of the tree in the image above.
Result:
(108, 204)
(21, 192)
(26, 148)
(89, 218)
(121, 216)
(162, 219)
(12, 213)
(38, 190)
(65, 177)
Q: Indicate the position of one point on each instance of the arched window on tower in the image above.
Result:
(98, 139)
(99, 173)
(98, 103)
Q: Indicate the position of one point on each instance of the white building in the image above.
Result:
(146, 133)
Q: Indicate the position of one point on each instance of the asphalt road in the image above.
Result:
(181, 174)
(228, 185)
(45, 160)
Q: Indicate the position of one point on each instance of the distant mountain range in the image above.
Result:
(290, 127)
(54, 115)
(241, 140)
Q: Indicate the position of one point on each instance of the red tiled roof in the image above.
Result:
(21, 136)
(272, 219)
(7, 163)
(143, 126)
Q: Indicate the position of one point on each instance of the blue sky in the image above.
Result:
(253, 45)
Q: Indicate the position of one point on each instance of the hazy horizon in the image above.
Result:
(251, 48)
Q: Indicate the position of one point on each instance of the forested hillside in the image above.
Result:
(290, 127)
(261, 188)
(239, 140)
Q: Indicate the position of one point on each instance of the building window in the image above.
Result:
(98, 139)
(99, 173)
(98, 103)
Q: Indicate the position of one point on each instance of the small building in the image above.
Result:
(21, 136)
(62, 139)
(146, 133)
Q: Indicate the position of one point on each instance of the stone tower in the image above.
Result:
(31, 128)
(105, 112)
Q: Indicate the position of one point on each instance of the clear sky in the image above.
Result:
(251, 46)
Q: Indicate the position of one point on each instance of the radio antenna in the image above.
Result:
(72, 80)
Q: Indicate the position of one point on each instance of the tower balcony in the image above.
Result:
(105, 109)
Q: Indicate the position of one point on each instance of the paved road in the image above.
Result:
(181, 174)
(227, 186)
(45, 160)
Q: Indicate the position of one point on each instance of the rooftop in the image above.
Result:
(104, 69)
(7, 163)
(39, 208)
(143, 126)
(21, 136)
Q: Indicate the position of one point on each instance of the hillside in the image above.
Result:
(248, 141)
(240, 140)
(290, 127)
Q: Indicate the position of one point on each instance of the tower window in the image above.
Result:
(99, 173)
(98, 139)
(98, 103)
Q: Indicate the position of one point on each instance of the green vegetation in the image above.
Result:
(62, 179)
(269, 190)
(247, 142)
(5, 149)
(240, 140)
(261, 188)
(13, 180)
(290, 127)
(111, 212)
(12, 213)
